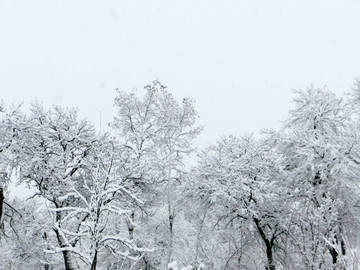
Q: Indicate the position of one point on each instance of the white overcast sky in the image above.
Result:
(238, 59)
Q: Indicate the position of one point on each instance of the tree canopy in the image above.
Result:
(124, 199)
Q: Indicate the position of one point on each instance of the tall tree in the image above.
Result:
(158, 133)
(317, 142)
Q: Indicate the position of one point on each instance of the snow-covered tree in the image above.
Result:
(100, 215)
(241, 180)
(318, 144)
(289, 200)
(12, 125)
(158, 132)
(25, 238)
(53, 153)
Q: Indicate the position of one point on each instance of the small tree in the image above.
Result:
(241, 178)
(100, 215)
(52, 155)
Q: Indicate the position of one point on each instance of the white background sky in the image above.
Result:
(238, 59)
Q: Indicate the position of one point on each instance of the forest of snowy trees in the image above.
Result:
(123, 199)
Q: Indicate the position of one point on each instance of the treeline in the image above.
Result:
(124, 199)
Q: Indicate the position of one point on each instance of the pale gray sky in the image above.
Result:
(238, 59)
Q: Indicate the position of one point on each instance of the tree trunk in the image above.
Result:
(334, 254)
(61, 242)
(131, 226)
(1, 203)
(46, 266)
(67, 260)
(268, 244)
(2, 197)
(198, 236)
(66, 253)
(94, 262)
(171, 231)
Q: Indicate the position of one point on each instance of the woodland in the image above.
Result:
(124, 198)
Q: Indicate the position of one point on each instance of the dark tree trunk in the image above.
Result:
(131, 226)
(61, 242)
(334, 254)
(343, 249)
(171, 231)
(94, 262)
(67, 260)
(46, 266)
(268, 244)
(1, 202)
